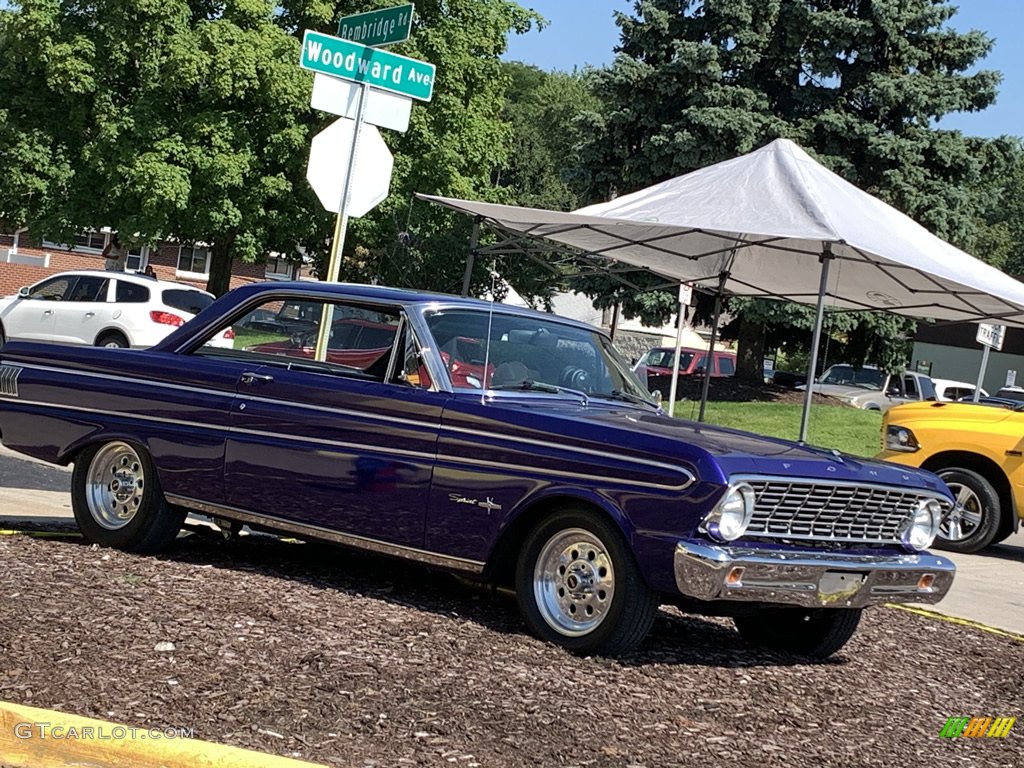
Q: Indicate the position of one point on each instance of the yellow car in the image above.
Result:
(978, 450)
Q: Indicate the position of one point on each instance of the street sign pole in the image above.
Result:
(981, 373)
(340, 230)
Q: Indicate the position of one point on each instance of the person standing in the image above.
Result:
(115, 254)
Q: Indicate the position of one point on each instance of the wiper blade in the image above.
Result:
(618, 394)
(529, 385)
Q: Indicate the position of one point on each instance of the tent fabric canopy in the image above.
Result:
(761, 222)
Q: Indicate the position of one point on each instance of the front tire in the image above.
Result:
(974, 521)
(579, 586)
(117, 500)
(815, 632)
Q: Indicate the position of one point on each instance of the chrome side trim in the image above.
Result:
(690, 477)
(319, 532)
(9, 380)
(807, 578)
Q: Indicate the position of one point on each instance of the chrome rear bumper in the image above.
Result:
(810, 579)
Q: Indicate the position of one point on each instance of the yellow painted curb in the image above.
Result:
(43, 738)
(42, 534)
(957, 620)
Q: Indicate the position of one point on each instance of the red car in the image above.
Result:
(657, 363)
(354, 342)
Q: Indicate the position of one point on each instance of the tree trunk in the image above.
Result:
(219, 282)
(750, 352)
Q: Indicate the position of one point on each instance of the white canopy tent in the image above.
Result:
(775, 223)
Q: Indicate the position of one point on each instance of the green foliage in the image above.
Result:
(191, 119)
(859, 83)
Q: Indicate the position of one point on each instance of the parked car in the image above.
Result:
(1011, 393)
(103, 309)
(953, 391)
(976, 449)
(872, 389)
(656, 365)
(541, 466)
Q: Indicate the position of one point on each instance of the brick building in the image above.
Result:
(24, 261)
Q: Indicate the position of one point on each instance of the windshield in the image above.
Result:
(868, 378)
(529, 352)
(662, 358)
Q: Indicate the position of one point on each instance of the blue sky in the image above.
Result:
(583, 32)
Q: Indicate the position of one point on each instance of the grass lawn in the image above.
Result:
(850, 430)
(246, 337)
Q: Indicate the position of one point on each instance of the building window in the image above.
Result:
(280, 268)
(138, 255)
(194, 260)
(87, 240)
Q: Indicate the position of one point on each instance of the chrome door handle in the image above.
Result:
(90, 314)
(47, 311)
(256, 378)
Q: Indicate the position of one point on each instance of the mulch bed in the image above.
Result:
(351, 660)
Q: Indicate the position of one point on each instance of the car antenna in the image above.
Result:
(487, 341)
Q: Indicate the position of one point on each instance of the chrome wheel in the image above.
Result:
(963, 520)
(573, 582)
(114, 485)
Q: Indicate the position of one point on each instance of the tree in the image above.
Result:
(858, 83)
(451, 148)
(191, 119)
(162, 118)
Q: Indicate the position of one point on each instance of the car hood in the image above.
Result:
(975, 413)
(737, 452)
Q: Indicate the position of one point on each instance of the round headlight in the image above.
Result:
(921, 528)
(729, 520)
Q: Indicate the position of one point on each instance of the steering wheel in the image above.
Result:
(576, 378)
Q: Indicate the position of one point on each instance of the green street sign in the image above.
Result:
(384, 27)
(372, 66)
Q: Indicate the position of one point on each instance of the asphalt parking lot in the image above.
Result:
(347, 659)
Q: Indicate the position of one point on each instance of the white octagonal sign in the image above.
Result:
(329, 157)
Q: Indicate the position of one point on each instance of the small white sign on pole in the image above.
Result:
(328, 163)
(1011, 378)
(991, 335)
(685, 294)
(341, 97)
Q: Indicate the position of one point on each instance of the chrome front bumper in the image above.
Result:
(810, 579)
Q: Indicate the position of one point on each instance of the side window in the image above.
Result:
(726, 366)
(89, 288)
(411, 371)
(52, 290)
(910, 386)
(131, 293)
(285, 332)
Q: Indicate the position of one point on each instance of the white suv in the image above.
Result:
(104, 309)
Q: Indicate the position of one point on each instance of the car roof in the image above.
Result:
(132, 277)
(397, 296)
(951, 383)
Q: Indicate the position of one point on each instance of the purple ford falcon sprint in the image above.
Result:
(509, 445)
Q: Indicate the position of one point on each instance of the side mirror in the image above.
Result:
(23, 292)
(656, 394)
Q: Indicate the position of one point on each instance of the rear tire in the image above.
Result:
(579, 586)
(117, 501)
(815, 632)
(975, 520)
(113, 340)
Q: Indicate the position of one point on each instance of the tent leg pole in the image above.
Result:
(474, 240)
(819, 317)
(674, 387)
(710, 361)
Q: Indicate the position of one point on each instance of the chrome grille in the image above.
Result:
(830, 512)
(9, 380)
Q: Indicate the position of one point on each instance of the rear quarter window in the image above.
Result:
(131, 293)
(186, 300)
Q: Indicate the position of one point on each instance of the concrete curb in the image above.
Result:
(43, 738)
(957, 620)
